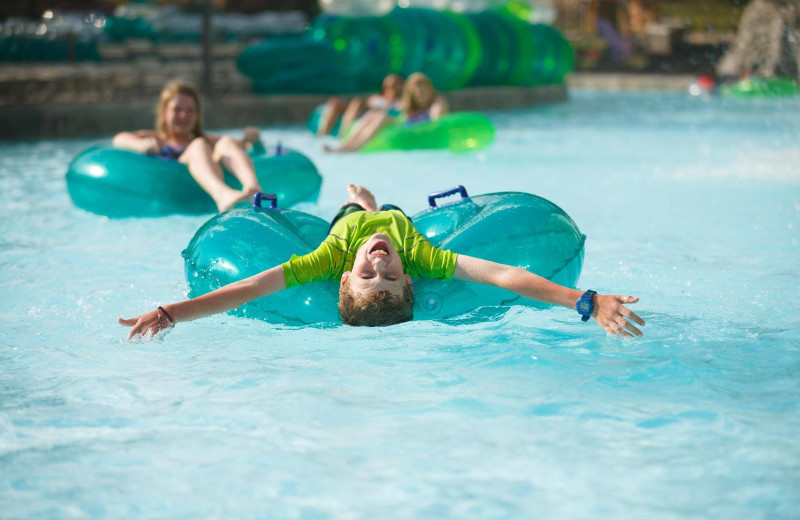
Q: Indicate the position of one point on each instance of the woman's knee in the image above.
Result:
(376, 118)
(225, 142)
(335, 103)
(199, 148)
(357, 106)
(225, 147)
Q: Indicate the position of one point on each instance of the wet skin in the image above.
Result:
(377, 267)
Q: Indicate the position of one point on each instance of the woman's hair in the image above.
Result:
(170, 90)
(411, 104)
(377, 309)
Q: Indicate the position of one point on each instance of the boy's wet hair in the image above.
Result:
(377, 309)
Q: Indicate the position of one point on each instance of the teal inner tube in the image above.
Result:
(458, 132)
(514, 228)
(121, 183)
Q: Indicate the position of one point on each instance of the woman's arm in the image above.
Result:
(221, 300)
(439, 107)
(609, 311)
(142, 141)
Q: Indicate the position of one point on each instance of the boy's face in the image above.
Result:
(377, 267)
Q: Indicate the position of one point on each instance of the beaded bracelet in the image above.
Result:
(162, 313)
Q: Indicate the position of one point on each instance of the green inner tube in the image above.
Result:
(459, 132)
(761, 87)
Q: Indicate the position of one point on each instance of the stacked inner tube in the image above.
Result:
(341, 54)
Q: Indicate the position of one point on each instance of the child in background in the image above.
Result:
(179, 136)
(387, 101)
(375, 253)
(419, 103)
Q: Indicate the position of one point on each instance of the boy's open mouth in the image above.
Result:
(379, 249)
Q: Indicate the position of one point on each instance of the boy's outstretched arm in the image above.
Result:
(609, 311)
(221, 300)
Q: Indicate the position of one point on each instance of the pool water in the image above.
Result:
(692, 205)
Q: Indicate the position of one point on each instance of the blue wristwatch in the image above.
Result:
(585, 305)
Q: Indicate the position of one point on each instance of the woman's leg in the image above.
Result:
(369, 125)
(354, 110)
(208, 174)
(235, 159)
(334, 108)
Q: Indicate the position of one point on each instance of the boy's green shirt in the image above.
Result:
(337, 252)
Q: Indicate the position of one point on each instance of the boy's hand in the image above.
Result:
(614, 317)
(146, 325)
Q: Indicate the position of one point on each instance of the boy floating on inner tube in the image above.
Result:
(375, 252)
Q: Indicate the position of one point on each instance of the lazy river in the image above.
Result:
(692, 205)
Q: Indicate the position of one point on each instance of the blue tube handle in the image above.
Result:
(259, 197)
(446, 193)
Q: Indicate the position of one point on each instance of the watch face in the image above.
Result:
(583, 306)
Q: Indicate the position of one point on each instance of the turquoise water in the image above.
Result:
(692, 205)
